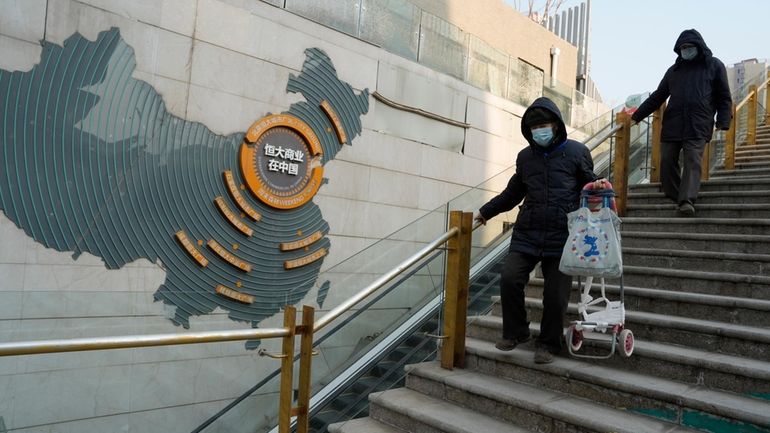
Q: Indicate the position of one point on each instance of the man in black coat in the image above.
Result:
(550, 174)
(697, 87)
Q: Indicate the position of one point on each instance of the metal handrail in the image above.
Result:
(604, 137)
(134, 341)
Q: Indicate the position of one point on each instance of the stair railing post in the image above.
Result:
(705, 167)
(730, 141)
(456, 290)
(767, 101)
(305, 363)
(287, 371)
(622, 144)
(751, 136)
(657, 127)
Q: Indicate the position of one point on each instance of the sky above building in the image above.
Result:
(632, 42)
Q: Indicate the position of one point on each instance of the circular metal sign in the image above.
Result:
(280, 161)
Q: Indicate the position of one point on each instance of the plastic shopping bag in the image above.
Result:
(593, 246)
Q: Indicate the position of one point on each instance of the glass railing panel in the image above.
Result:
(443, 46)
(171, 388)
(473, 199)
(561, 95)
(588, 115)
(393, 25)
(342, 15)
(487, 67)
(525, 82)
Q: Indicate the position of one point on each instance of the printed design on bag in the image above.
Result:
(591, 241)
(593, 236)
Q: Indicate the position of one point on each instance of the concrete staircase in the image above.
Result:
(697, 293)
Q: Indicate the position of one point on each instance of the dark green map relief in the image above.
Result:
(92, 162)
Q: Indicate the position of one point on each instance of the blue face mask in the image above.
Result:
(689, 53)
(543, 136)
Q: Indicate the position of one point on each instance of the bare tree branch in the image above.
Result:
(539, 10)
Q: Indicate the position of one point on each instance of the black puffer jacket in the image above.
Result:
(697, 88)
(549, 181)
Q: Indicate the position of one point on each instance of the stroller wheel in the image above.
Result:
(626, 342)
(574, 338)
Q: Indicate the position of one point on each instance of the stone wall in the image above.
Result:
(225, 64)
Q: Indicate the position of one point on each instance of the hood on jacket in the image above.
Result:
(534, 111)
(692, 36)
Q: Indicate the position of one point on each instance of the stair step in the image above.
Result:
(532, 406)
(732, 243)
(758, 173)
(732, 372)
(748, 341)
(598, 382)
(704, 197)
(745, 226)
(409, 410)
(752, 264)
(752, 151)
(756, 159)
(748, 377)
(362, 425)
(740, 211)
(722, 184)
(721, 337)
(712, 283)
(726, 309)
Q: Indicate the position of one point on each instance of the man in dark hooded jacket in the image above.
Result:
(550, 174)
(697, 87)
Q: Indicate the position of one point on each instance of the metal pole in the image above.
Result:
(133, 341)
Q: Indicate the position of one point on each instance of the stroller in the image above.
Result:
(590, 227)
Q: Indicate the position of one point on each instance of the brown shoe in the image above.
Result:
(543, 356)
(506, 345)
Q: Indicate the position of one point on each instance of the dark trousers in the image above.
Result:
(514, 277)
(682, 187)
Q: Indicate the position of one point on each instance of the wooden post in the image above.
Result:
(730, 141)
(657, 127)
(305, 364)
(622, 144)
(767, 101)
(751, 135)
(705, 166)
(456, 286)
(287, 369)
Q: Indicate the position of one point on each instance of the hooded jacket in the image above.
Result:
(549, 181)
(697, 88)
